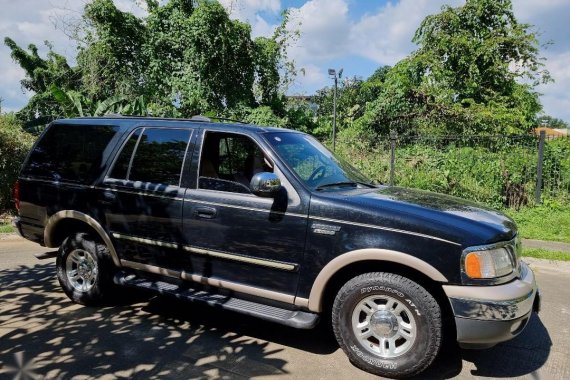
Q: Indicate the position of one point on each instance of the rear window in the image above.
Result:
(158, 156)
(70, 152)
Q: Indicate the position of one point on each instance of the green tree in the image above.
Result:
(110, 60)
(474, 72)
(14, 146)
(353, 97)
(40, 75)
(184, 58)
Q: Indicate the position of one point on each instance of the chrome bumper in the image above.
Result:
(486, 315)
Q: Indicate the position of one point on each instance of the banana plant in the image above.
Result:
(75, 104)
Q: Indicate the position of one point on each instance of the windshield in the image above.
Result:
(316, 166)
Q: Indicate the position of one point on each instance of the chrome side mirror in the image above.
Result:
(265, 184)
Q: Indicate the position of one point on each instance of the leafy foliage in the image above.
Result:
(184, 58)
(498, 171)
(14, 146)
(547, 222)
(41, 74)
(474, 72)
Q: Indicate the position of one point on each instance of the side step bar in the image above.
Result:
(293, 318)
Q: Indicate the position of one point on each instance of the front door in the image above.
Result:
(234, 235)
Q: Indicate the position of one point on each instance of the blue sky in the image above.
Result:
(357, 35)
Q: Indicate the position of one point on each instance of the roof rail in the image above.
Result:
(201, 118)
(226, 119)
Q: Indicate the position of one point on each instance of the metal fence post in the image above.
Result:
(393, 137)
(537, 193)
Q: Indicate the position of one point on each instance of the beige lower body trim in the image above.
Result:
(222, 284)
(302, 302)
(151, 269)
(370, 254)
(70, 214)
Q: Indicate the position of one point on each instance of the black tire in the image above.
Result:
(100, 287)
(408, 308)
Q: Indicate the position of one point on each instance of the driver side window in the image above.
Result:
(229, 161)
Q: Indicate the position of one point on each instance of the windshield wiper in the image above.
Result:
(345, 183)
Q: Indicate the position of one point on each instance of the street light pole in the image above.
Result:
(333, 75)
(334, 112)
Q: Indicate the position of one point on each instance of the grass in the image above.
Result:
(539, 253)
(6, 228)
(543, 222)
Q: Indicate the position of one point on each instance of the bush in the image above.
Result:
(14, 146)
(497, 171)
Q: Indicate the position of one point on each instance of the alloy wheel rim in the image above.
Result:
(384, 326)
(81, 270)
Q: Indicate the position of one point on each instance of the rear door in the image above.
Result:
(142, 197)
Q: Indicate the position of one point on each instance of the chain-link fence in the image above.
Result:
(510, 171)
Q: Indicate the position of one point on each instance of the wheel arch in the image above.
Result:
(351, 264)
(64, 222)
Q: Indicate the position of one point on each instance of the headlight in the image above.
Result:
(490, 263)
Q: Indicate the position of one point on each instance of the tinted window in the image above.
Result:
(121, 168)
(229, 162)
(70, 152)
(159, 156)
(314, 164)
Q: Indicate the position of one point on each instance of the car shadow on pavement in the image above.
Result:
(151, 337)
(521, 356)
(524, 355)
(42, 332)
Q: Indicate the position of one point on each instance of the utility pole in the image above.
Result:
(333, 75)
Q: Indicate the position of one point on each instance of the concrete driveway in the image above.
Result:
(151, 337)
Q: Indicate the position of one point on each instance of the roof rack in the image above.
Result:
(199, 118)
(226, 119)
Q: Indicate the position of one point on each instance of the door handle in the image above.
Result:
(205, 212)
(108, 197)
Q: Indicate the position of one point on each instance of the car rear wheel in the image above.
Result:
(85, 269)
(387, 324)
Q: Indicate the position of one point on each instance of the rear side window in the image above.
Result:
(153, 155)
(70, 152)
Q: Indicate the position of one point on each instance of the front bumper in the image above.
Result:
(487, 315)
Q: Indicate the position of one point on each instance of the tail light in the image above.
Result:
(17, 195)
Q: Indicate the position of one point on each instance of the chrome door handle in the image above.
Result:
(205, 212)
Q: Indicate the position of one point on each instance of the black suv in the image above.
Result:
(268, 222)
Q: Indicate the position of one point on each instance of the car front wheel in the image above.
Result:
(387, 324)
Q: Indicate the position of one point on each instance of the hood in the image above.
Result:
(443, 216)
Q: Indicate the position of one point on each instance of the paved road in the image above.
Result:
(157, 337)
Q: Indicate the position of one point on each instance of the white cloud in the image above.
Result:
(31, 24)
(249, 10)
(329, 35)
(324, 28)
(556, 97)
(386, 36)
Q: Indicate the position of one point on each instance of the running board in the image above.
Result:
(293, 318)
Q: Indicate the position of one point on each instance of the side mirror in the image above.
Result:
(265, 184)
